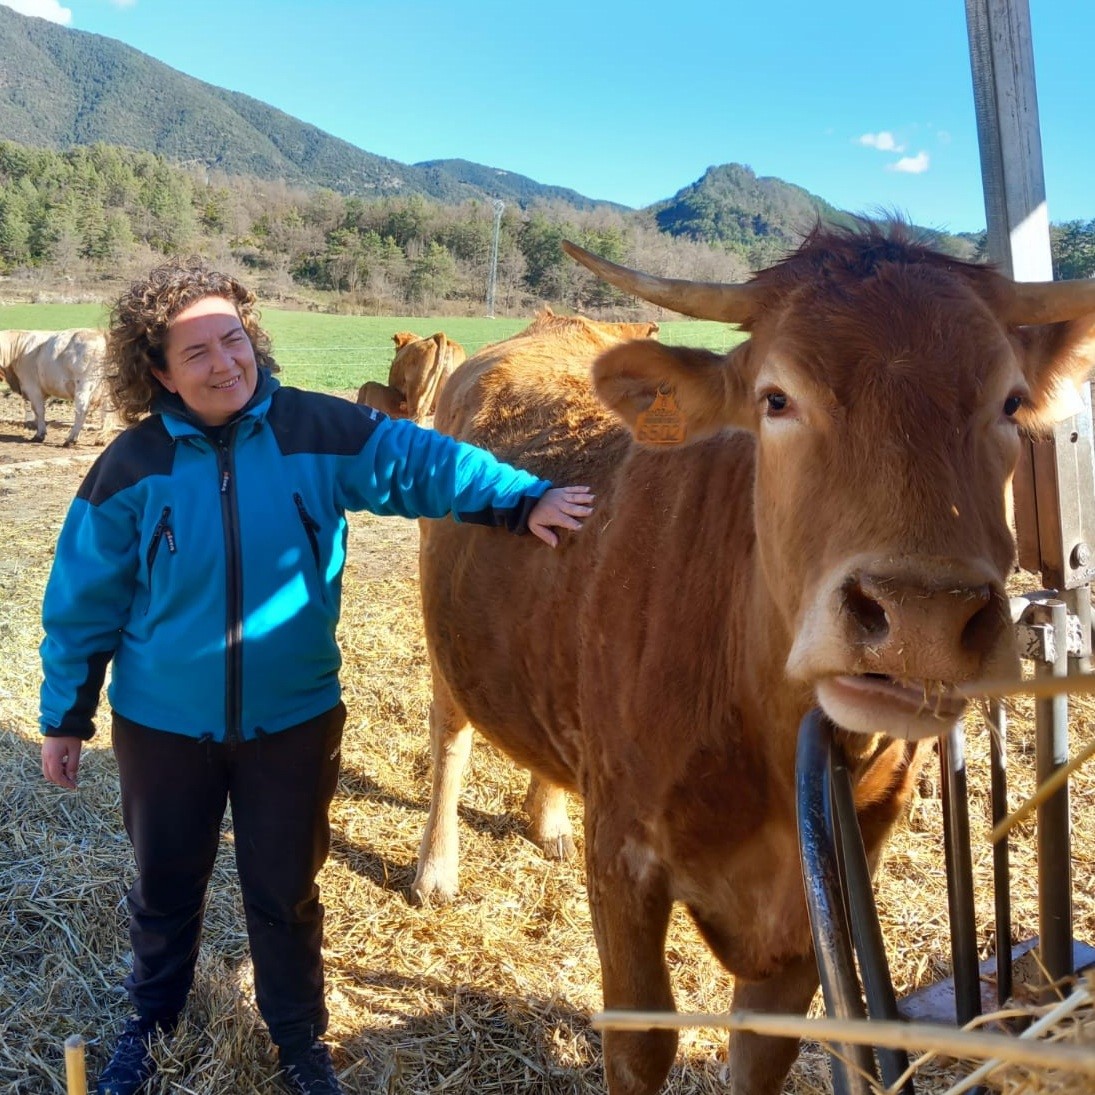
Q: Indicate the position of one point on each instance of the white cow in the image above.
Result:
(54, 364)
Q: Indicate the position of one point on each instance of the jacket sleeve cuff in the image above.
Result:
(83, 730)
(512, 518)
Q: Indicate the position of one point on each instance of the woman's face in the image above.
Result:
(210, 360)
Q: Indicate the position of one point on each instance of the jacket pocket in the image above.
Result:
(162, 533)
(311, 530)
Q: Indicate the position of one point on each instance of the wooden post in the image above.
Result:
(1054, 495)
(1054, 488)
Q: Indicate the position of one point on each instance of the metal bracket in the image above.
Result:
(1037, 638)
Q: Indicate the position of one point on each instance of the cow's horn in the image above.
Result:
(701, 299)
(1050, 301)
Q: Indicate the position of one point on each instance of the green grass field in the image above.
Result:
(334, 353)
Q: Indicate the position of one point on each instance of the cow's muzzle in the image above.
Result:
(887, 641)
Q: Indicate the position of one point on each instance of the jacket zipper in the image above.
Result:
(233, 635)
(311, 527)
(162, 531)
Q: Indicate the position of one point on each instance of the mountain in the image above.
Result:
(731, 203)
(518, 189)
(61, 88)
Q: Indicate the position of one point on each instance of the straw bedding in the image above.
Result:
(491, 994)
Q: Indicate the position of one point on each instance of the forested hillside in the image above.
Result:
(110, 160)
(61, 88)
(758, 217)
(94, 214)
(91, 215)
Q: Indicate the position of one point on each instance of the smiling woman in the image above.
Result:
(209, 362)
(203, 557)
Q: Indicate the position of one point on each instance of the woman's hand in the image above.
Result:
(61, 760)
(559, 507)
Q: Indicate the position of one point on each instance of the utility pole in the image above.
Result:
(492, 280)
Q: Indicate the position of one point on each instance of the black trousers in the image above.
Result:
(174, 793)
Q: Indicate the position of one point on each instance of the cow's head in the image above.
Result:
(887, 386)
(420, 368)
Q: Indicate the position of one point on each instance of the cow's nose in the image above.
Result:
(909, 629)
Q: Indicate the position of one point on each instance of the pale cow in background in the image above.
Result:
(39, 365)
(418, 373)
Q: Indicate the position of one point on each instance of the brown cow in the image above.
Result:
(418, 373)
(831, 531)
(562, 347)
(383, 397)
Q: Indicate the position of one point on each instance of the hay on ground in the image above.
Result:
(494, 993)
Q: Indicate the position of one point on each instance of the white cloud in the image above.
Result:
(44, 9)
(912, 165)
(883, 141)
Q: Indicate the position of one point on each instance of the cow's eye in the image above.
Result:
(1012, 405)
(776, 403)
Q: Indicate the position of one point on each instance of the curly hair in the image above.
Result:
(140, 318)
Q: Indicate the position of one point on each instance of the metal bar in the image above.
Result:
(1001, 866)
(956, 843)
(866, 931)
(825, 898)
(1078, 602)
(1054, 837)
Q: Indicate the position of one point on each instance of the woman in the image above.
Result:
(203, 555)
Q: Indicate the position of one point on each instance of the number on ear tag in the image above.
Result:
(662, 422)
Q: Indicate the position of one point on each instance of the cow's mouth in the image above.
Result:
(872, 703)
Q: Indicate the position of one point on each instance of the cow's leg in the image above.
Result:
(450, 746)
(36, 404)
(630, 905)
(759, 1065)
(81, 402)
(549, 825)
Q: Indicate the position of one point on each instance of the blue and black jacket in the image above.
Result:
(208, 564)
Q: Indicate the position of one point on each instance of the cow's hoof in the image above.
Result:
(430, 889)
(559, 847)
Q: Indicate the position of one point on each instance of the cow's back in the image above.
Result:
(529, 400)
(16, 347)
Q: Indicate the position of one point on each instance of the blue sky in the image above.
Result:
(866, 103)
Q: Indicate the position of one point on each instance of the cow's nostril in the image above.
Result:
(984, 627)
(868, 613)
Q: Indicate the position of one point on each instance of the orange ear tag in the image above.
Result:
(662, 422)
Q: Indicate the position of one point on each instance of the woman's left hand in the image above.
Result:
(559, 507)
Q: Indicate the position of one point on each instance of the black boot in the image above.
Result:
(309, 1071)
(132, 1066)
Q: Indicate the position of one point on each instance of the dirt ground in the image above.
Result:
(37, 480)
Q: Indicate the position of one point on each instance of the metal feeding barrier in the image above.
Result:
(1054, 495)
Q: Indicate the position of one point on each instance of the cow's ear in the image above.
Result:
(671, 394)
(1057, 358)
